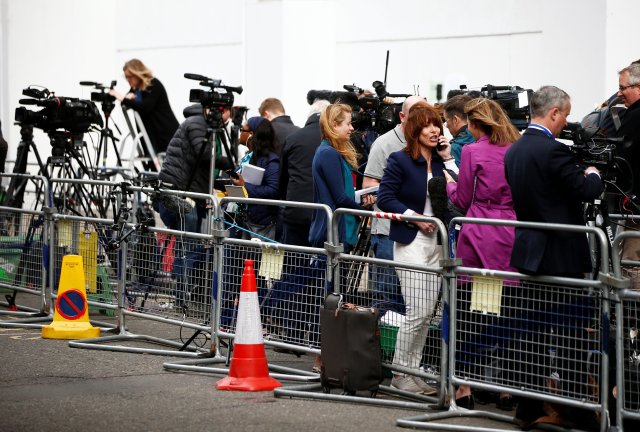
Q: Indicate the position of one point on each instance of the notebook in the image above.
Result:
(252, 174)
(235, 191)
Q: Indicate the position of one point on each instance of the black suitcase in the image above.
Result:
(350, 344)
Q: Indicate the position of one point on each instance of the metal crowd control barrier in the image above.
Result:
(347, 271)
(291, 283)
(505, 336)
(140, 282)
(23, 245)
(25, 191)
(626, 335)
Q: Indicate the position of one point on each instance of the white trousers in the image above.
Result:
(420, 291)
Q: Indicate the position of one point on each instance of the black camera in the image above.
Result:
(211, 98)
(70, 114)
(101, 96)
(513, 99)
(216, 99)
(373, 112)
(593, 149)
(238, 115)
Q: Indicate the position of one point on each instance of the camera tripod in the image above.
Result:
(106, 135)
(597, 215)
(14, 196)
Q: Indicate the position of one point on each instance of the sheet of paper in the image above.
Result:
(486, 294)
(252, 174)
(271, 263)
(360, 192)
(65, 233)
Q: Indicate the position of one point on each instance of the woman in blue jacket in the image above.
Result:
(333, 185)
(261, 219)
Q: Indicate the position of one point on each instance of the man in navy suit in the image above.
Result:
(549, 186)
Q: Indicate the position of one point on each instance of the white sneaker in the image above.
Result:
(426, 388)
(405, 383)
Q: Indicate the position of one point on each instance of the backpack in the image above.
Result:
(606, 118)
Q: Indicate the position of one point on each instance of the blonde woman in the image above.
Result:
(333, 184)
(149, 98)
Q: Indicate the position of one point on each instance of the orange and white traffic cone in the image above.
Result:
(249, 370)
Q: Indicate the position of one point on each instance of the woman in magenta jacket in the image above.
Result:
(482, 192)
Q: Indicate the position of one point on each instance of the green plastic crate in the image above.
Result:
(388, 336)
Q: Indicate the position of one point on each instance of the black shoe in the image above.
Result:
(505, 403)
(466, 402)
(527, 412)
(484, 397)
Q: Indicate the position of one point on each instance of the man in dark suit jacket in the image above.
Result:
(273, 110)
(549, 186)
(296, 182)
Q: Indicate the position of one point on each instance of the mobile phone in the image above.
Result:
(439, 146)
(231, 173)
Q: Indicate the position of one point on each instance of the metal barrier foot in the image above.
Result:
(200, 365)
(315, 391)
(98, 344)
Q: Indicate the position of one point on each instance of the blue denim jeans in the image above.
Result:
(187, 252)
(385, 281)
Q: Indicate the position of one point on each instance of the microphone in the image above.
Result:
(313, 95)
(89, 83)
(196, 77)
(437, 188)
(238, 89)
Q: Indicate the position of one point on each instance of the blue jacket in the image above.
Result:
(462, 137)
(404, 186)
(268, 189)
(328, 188)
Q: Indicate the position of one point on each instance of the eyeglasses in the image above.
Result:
(623, 88)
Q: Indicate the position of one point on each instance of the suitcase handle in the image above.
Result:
(333, 301)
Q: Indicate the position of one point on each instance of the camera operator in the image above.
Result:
(629, 93)
(549, 186)
(149, 98)
(386, 281)
(186, 167)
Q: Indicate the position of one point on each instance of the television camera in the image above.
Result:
(591, 148)
(102, 95)
(70, 114)
(64, 119)
(215, 100)
(375, 113)
(513, 99)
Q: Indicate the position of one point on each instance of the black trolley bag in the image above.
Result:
(350, 344)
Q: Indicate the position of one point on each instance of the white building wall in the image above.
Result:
(284, 48)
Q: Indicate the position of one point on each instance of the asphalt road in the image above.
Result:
(45, 385)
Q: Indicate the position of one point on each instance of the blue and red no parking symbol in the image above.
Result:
(71, 304)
